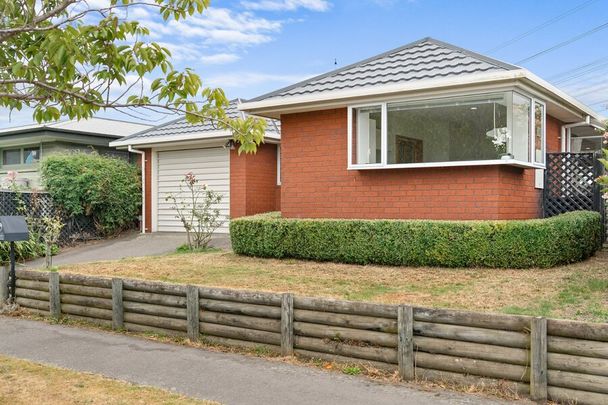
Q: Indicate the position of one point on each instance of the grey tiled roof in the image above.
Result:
(421, 60)
(181, 127)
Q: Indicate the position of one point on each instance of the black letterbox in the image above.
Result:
(13, 228)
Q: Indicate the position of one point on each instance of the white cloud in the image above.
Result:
(287, 5)
(219, 26)
(244, 79)
(189, 52)
(219, 58)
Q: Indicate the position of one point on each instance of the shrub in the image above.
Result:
(548, 242)
(197, 209)
(105, 188)
(28, 249)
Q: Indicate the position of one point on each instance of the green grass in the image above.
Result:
(588, 297)
(352, 370)
(186, 249)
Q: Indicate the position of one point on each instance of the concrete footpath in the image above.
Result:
(223, 377)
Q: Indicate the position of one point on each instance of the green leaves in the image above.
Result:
(502, 244)
(108, 189)
(69, 64)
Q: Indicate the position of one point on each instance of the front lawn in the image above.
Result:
(578, 291)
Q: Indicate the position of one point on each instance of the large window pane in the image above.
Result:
(31, 155)
(522, 107)
(367, 130)
(445, 130)
(11, 156)
(539, 132)
(586, 144)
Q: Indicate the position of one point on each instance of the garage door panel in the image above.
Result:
(210, 166)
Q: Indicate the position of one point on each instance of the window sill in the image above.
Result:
(495, 162)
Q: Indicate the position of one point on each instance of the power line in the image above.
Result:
(605, 87)
(541, 26)
(584, 73)
(576, 69)
(564, 43)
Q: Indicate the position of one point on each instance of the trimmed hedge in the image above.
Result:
(566, 238)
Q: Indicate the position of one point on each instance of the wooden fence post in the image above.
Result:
(538, 359)
(54, 295)
(405, 345)
(192, 312)
(287, 325)
(3, 285)
(118, 312)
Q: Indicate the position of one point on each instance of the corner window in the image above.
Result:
(487, 128)
(20, 156)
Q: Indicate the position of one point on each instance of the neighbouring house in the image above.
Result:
(22, 148)
(425, 131)
(248, 183)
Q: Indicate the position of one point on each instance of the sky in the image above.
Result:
(251, 47)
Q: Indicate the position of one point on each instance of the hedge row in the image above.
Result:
(548, 242)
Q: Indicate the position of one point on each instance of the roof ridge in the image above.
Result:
(430, 40)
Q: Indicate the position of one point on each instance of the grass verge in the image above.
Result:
(23, 383)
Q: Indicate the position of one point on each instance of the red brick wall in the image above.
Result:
(316, 182)
(253, 182)
(553, 132)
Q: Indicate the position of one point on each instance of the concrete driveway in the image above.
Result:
(128, 245)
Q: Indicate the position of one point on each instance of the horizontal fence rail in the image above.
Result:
(561, 360)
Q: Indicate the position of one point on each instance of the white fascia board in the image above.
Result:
(172, 138)
(344, 95)
(564, 97)
(184, 138)
(336, 98)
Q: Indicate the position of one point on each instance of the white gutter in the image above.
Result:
(281, 103)
(143, 186)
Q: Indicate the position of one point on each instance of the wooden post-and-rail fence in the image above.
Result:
(561, 360)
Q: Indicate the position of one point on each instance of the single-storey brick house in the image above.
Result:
(248, 183)
(428, 130)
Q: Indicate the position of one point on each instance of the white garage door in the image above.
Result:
(210, 166)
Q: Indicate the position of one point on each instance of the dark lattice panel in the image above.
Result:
(40, 204)
(570, 183)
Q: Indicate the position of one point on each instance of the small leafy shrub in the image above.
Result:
(547, 242)
(39, 242)
(196, 207)
(105, 188)
(25, 250)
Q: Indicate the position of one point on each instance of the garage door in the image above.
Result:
(210, 166)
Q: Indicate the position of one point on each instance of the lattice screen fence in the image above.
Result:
(40, 204)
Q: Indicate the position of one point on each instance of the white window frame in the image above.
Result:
(21, 163)
(533, 133)
(384, 134)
